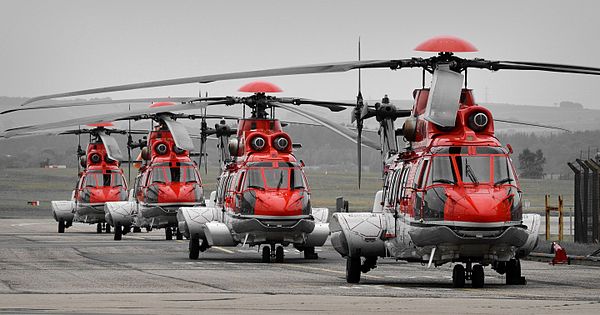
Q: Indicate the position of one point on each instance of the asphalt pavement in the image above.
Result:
(81, 272)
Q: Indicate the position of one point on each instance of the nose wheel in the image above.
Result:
(474, 273)
(272, 251)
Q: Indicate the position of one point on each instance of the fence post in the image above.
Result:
(561, 221)
(577, 202)
(547, 217)
(586, 196)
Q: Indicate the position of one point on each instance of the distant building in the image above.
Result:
(570, 105)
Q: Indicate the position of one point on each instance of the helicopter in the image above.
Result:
(101, 180)
(263, 196)
(167, 177)
(467, 227)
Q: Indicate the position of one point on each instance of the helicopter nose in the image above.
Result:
(278, 205)
(480, 207)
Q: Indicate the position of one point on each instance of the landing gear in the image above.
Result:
(178, 234)
(353, 266)
(194, 246)
(266, 254)
(61, 226)
(118, 232)
(168, 234)
(477, 276)
(309, 253)
(137, 229)
(107, 227)
(513, 272)
(458, 276)
(279, 254)
(204, 245)
(99, 228)
(473, 273)
(148, 229)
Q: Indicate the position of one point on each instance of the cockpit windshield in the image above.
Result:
(110, 178)
(165, 174)
(488, 165)
(275, 178)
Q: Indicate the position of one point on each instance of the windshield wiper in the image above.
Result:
(504, 180)
(444, 181)
(256, 186)
(471, 174)
(280, 180)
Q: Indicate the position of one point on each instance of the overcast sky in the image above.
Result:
(58, 46)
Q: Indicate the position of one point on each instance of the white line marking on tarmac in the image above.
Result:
(223, 250)
(329, 270)
(26, 224)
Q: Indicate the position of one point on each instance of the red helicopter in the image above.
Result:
(472, 213)
(262, 196)
(100, 181)
(168, 178)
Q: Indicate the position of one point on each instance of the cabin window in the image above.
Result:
(254, 179)
(99, 179)
(502, 170)
(442, 170)
(277, 177)
(174, 175)
(473, 169)
(297, 179)
(422, 173)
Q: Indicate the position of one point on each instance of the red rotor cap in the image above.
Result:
(260, 87)
(446, 43)
(161, 104)
(102, 124)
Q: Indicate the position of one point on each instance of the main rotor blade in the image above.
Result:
(530, 124)
(332, 106)
(85, 120)
(320, 68)
(341, 130)
(179, 132)
(526, 65)
(102, 102)
(112, 147)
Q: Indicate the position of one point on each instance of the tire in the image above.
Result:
(279, 254)
(178, 235)
(107, 228)
(513, 272)
(118, 232)
(194, 246)
(99, 228)
(458, 276)
(168, 234)
(266, 254)
(137, 229)
(309, 253)
(61, 226)
(353, 269)
(478, 276)
(204, 245)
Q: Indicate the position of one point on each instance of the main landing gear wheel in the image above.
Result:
(353, 266)
(458, 276)
(178, 234)
(477, 276)
(61, 226)
(168, 234)
(513, 272)
(266, 254)
(107, 228)
(309, 253)
(279, 254)
(99, 228)
(194, 246)
(137, 229)
(118, 232)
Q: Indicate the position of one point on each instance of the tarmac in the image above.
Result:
(81, 272)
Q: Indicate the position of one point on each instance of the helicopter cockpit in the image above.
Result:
(458, 166)
(462, 181)
(263, 175)
(96, 181)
